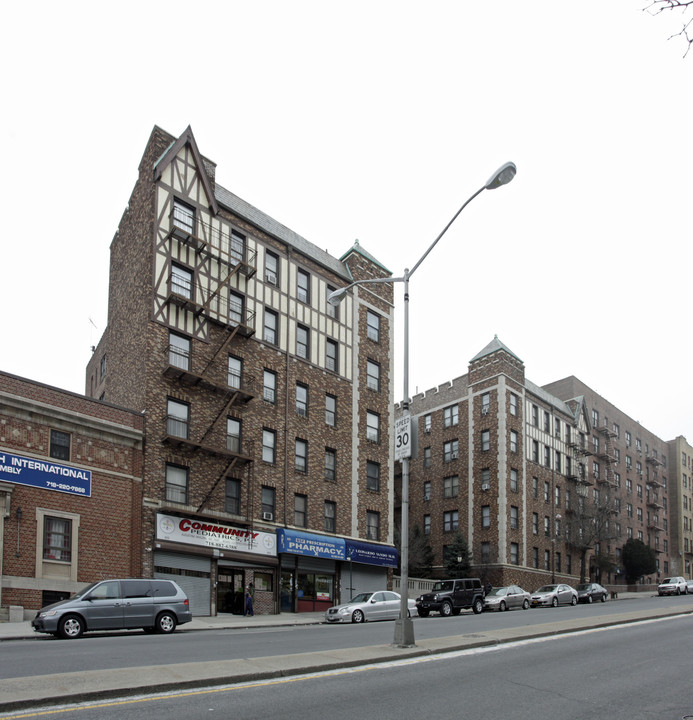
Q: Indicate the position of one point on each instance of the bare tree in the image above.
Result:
(590, 525)
(656, 7)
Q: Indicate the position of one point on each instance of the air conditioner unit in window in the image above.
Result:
(485, 486)
(270, 278)
(267, 516)
(453, 454)
(485, 409)
(427, 429)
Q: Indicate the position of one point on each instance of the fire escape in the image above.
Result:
(606, 455)
(578, 473)
(655, 506)
(226, 386)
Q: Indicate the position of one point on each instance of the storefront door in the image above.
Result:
(230, 596)
(315, 592)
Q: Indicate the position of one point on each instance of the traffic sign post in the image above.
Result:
(403, 437)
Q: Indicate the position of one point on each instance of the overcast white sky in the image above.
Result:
(376, 120)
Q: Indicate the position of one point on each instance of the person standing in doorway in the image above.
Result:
(249, 594)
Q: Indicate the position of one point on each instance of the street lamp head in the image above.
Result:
(336, 297)
(502, 176)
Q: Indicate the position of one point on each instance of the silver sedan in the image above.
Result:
(506, 598)
(554, 595)
(381, 605)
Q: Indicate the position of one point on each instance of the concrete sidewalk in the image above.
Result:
(94, 685)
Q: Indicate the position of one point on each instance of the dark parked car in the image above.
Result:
(591, 592)
(153, 605)
(448, 597)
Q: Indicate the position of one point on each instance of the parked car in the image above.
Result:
(380, 605)
(152, 605)
(591, 592)
(507, 598)
(554, 595)
(673, 586)
(448, 597)
(689, 586)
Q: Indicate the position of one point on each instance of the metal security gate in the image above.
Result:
(357, 578)
(192, 573)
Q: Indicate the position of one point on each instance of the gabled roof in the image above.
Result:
(356, 248)
(187, 138)
(492, 347)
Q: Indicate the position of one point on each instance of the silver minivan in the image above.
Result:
(153, 605)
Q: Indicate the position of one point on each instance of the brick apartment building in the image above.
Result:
(268, 413)
(546, 483)
(70, 493)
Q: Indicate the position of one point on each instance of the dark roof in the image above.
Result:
(492, 347)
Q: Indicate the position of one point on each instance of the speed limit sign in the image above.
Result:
(403, 437)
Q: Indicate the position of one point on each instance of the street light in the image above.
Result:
(404, 628)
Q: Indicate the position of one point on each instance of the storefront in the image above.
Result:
(315, 568)
(214, 563)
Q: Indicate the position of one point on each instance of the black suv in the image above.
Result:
(448, 597)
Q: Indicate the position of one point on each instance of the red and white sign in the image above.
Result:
(194, 531)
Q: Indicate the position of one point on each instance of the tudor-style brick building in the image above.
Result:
(70, 493)
(268, 413)
(526, 473)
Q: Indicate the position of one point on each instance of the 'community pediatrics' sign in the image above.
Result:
(205, 533)
(44, 474)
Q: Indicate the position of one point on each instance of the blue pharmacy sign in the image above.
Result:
(370, 554)
(300, 543)
(44, 474)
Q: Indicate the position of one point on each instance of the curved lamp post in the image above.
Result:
(404, 628)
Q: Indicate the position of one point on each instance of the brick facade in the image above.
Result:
(104, 440)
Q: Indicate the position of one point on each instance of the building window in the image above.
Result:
(427, 524)
(270, 330)
(485, 552)
(102, 368)
(373, 427)
(176, 484)
(535, 523)
(235, 374)
(514, 517)
(271, 268)
(303, 286)
(547, 422)
(181, 281)
(547, 560)
(486, 479)
(269, 386)
(373, 375)
(301, 456)
(513, 480)
(427, 490)
(179, 351)
(237, 247)
(233, 435)
(450, 521)
(269, 445)
(178, 419)
(332, 310)
(373, 330)
(330, 465)
(513, 441)
(514, 554)
(330, 516)
(557, 428)
(485, 440)
(535, 451)
(183, 217)
(301, 399)
(451, 486)
(233, 496)
(535, 558)
(535, 416)
(485, 516)
(427, 423)
(268, 503)
(373, 476)
(450, 451)
(300, 511)
(57, 539)
(331, 355)
(303, 342)
(330, 410)
(547, 526)
(513, 404)
(427, 459)
(450, 416)
(372, 525)
(60, 445)
(236, 309)
(485, 403)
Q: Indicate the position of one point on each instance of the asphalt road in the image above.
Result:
(628, 672)
(45, 655)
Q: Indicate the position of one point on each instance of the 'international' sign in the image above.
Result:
(44, 474)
